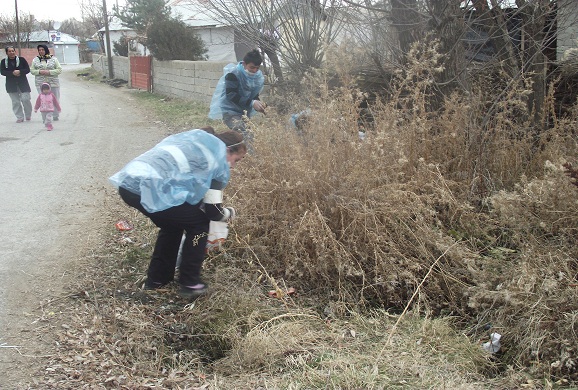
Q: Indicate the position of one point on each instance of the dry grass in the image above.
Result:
(406, 250)
(118, 336)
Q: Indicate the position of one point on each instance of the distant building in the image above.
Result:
(61, 45)
(567, 28)
(117, 32)
(223, 42)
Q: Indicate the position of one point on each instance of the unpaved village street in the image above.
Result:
(52, 187)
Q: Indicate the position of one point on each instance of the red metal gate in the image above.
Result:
(140, 72)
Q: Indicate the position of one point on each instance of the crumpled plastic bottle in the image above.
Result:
(493, 345)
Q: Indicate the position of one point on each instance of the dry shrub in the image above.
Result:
(451, 210)
(350, 220)
(117, 336)
(453, 213)
(534, 296)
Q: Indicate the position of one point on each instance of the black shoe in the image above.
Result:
(192, 292)
(55, 119)
(149, 285)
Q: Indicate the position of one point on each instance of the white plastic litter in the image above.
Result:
(493, 345)
(218, 232)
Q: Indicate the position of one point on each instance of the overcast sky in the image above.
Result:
(57, 10)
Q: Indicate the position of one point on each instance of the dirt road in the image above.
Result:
(51, 191)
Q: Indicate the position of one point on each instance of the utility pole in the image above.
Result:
(17, 29)
(107, 33)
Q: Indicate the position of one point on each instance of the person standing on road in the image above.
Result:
(47, 103)
(46, 68)
(237, 93)
(178, 184)
(15, 69)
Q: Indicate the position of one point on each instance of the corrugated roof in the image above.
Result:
(116, 25)
(60, 37)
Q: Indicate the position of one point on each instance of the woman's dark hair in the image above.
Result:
(233, 140)
(253, 57)
(208, 129)
(9, 47)
(46, 51)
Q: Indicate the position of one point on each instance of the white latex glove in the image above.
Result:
(229, 213)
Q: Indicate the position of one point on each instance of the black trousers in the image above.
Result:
(172, 223)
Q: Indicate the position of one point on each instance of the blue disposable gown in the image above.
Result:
(250, 85)
(179, 169)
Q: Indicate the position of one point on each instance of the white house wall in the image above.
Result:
(115, 36)
(567, 26)
(219, 42)
(67, 54)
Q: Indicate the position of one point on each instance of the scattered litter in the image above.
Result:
(493, 345)
(3, 345)
(280, 293)
(123, 226)
(117, 83)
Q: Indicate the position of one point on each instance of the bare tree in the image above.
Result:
(25, 27)
(517, 37)
(495, 22)
(93, 17)
(522, 36)
(76, 28)
(408, 18)
(293, 33)
(92, 14)
(537, 32)
(448, 24)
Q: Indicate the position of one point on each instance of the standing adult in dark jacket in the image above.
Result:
(15, 69)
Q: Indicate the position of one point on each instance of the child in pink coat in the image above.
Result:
(47, 103)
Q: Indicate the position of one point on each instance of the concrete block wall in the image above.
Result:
(120, 66)
(195, 80)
